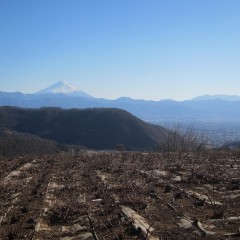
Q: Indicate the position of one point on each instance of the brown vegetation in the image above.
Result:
(121, 195)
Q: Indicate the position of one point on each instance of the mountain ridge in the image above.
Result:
(97, 128)
(206, 107)
(214, 109)
(217, 97)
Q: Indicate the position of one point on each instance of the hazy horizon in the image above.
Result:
(195, 97)
(139, 49)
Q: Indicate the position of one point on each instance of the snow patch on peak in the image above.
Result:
(63, 87)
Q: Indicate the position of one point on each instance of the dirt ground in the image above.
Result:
(121, 195)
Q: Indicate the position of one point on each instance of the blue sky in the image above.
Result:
(144, 49)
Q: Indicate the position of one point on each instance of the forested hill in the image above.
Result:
(97, 128)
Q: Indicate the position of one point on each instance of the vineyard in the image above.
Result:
(121, 195)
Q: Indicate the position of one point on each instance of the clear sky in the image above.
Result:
(145, 49)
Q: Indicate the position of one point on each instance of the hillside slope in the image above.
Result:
(13, 143)
(93, 128)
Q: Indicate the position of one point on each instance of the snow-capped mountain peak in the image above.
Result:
(63, 87)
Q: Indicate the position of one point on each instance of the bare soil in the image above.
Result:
(121, 195)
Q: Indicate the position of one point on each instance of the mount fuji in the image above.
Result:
(63, 87)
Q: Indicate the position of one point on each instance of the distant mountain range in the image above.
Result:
(217, 97)
(64, 95)
(92, 128)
